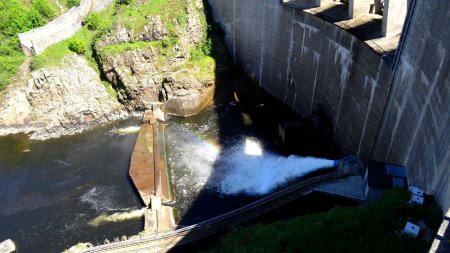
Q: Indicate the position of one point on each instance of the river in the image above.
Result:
(56, 193)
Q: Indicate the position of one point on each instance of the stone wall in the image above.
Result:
(303, 60)
(416, 125)
(63, 27)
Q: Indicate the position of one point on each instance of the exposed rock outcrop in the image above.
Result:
(59, 101)
(160, 70)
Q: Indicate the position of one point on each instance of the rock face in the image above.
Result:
(56, 102)
(160, 69)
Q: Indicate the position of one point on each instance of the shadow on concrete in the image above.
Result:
(333, 12)
(237, 96)
(371, 29)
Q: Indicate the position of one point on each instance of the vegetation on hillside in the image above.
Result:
(133, 15)
(375, 227)
(20, 16)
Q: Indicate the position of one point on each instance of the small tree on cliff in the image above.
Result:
(72, 3)
(94, 21)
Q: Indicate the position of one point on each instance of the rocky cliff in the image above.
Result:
(58, 101)
(154, 52)
(153, 62)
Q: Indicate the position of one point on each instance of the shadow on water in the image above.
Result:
(244, 111)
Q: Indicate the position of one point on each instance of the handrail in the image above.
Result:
(216, 221)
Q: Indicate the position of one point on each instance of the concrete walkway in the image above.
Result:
(366, 27)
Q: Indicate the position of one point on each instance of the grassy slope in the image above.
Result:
(133, 17)
(11, 55)
(373, 228)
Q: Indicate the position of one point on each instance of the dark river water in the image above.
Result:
(56, 193)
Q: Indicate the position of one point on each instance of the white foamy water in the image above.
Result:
(242, 168)
(125, 130)
(261, 175)
(116, 217)
(102, 198)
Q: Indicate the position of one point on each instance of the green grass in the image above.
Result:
(206, 67)
(372, 228)
(11, 57)
(122, 47)
(19, 16)
(135, 18)
(53, 55)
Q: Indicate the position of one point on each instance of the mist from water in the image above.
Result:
(244, 167)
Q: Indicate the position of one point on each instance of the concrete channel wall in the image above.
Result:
(303, 60)
(34, 42)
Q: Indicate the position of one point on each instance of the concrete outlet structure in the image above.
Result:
(391, 111)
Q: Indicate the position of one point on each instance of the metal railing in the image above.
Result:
(223, 221)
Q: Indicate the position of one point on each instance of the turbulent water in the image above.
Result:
(219, 162)
(56, 193)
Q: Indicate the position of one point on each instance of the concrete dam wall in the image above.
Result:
(397, 114)
(416, 126)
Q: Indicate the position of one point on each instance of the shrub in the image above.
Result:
(72, 3)
(169, 41)
(125, 2)
(201, 50)
(44, 8)
(77, 46)
(94, 21)
(207, 47)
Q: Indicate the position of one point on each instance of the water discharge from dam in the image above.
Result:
(241, 168)
(59, 192)
(222, 175)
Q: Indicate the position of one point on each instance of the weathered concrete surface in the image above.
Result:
(302, 60)
(7, 246)
(441, 243)
(359, 7)
(63, 27)
(415, 129)
(394, 13)
(141, 165)
(150, 176)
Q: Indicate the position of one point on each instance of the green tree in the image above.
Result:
(44, 8)
(16, 18)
